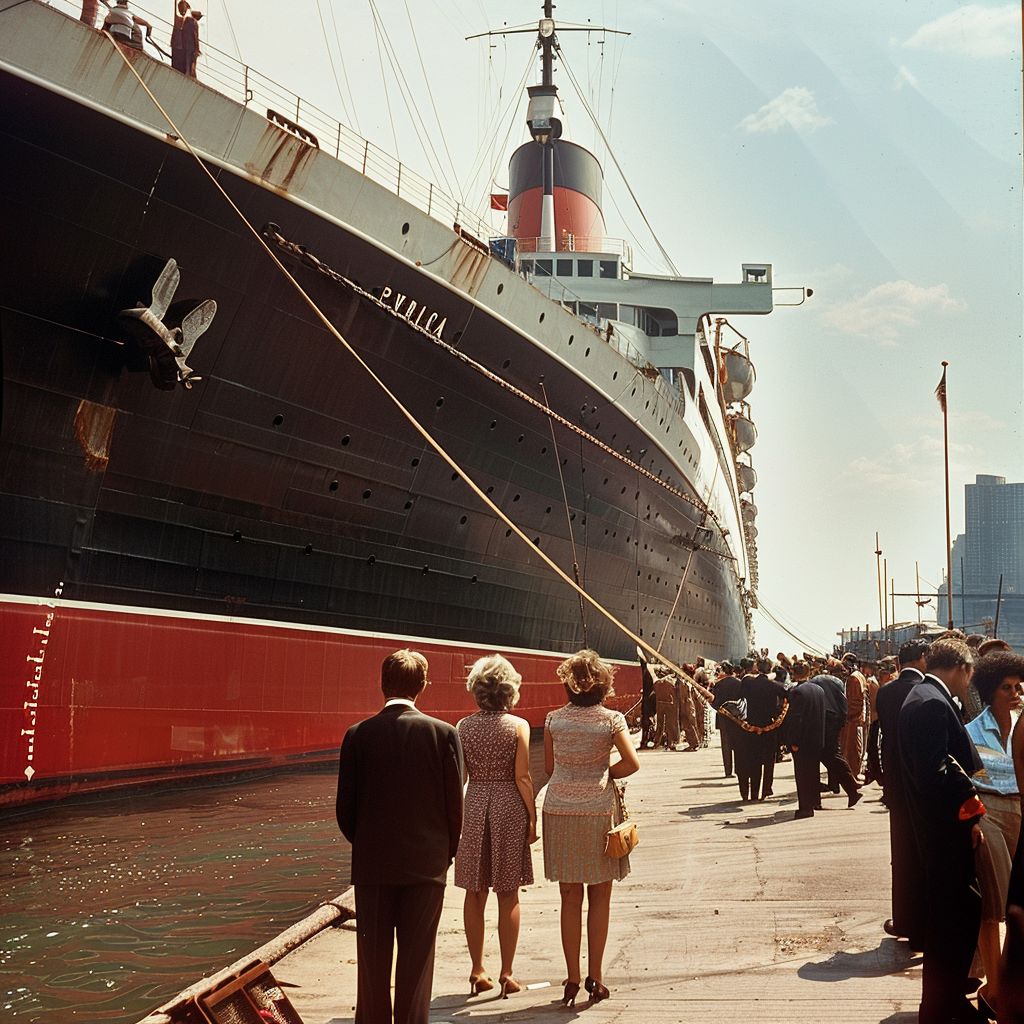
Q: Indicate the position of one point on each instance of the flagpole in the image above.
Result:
(945, 458)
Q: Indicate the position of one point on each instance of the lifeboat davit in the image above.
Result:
(739, 376)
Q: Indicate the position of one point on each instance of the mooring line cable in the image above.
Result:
(442, 452)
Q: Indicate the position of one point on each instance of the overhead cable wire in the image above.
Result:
(430, 96)
(807, 646)
(484, 498)
(330, 57)
(384, 82)
(344, 69)
(579, 92)
(423, 134)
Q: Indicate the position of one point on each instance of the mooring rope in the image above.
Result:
(415, 423)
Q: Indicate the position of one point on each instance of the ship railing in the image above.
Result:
(569, 242)
(237, 80)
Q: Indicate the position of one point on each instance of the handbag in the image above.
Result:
(737, 708)
(622, 837)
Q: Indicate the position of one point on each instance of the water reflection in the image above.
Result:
(114, 904)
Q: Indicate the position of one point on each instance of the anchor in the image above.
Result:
(169, 344)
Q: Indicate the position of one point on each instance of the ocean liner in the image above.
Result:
(215, 524)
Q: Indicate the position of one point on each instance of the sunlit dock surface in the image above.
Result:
(732, 913)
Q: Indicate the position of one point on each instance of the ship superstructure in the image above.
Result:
(214, 525)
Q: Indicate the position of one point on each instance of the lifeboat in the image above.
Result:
(745, 476)
(748, 510)
(739, 376)
(744, 432)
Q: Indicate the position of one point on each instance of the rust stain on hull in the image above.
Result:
(94, 427)
(279, 157)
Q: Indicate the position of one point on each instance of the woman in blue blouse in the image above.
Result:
(997, 678)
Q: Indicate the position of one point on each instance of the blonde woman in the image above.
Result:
(500, 818)
(580, 808)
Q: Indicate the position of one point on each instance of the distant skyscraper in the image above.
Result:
(992, 544)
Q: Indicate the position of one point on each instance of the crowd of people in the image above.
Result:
(935, 727)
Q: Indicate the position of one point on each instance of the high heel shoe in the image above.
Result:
(479, 983)
(569, 992)
(596, 989)
(509, 986)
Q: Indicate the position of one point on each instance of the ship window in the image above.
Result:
(609, 268)
(608, 310)
(584, 268)
(563, 268)
(543, 268)
(588, 310)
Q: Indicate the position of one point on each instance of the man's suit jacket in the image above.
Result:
(727, 688)
(937, 758)
(835, 701)
(804, 726)
(400, 797)
(888, 704)
(763, 695)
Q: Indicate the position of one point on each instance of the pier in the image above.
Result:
(732, 913)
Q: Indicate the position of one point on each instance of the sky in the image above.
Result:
(869, 151)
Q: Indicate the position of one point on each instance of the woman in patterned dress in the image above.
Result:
(500, 818)
(580, 808)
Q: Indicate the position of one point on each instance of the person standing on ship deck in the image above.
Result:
(121, 24)
(190, 40)
(400, 806)
(179, 60)
(500, 817)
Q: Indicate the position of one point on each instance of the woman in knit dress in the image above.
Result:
(499, 820)
(580, 808)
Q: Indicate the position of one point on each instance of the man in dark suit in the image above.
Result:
(763, 697)
(726, 688)
(908, 894)
(838, 768)
(400, 806)
(804, 731)
(937, 759)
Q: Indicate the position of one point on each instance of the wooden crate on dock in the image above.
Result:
(253, 997)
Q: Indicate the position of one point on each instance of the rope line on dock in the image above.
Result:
(415, 423)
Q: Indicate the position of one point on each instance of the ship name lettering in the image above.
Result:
(30, 707)
(414, 312)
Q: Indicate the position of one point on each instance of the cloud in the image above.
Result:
(904, 77)
(889, 309)
(795, 107)
(972, 30)
(910, 466)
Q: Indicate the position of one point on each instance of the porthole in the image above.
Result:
(405, 228)
(439, 403)
(494, 423)
(408, 505)
(520, 439)
(278, 420)
(540, 319)
(505, 365)
(615, 375)
(543, 451)
(571, 337)
(536, 540)
(345, 440)
(508, 533)
(586, 354)
(633, 392)
(425, 570)
(236, 536)
(572, 517)
(547, 511)
(472, 579)
(308, 549)
(415, 462)
(489, 489)
(515, 497)
(366, 494)
(500, 288)
(371, 560)
(455, 476)
(647, 404)
(462, 521)
(333, 486)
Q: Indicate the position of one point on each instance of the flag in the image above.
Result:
(940, 391)
(499, 201)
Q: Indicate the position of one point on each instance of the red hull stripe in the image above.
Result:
(98, 695)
